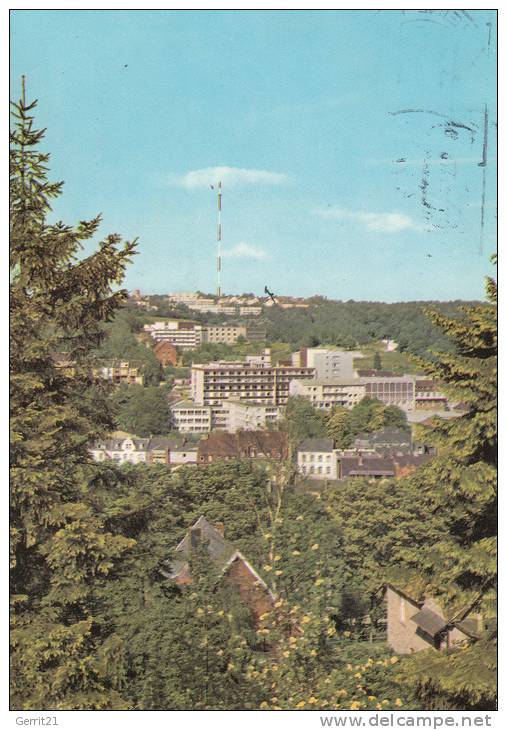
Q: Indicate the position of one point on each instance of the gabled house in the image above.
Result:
(415, 624)
(230, 563)
(243, 445)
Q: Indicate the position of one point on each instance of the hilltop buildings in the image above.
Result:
(188, 335)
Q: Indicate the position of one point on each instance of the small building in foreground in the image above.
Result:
(230, 563)
(415, 624)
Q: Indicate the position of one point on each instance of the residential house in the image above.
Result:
(230, 563)
(166, 353)
(218, 446)
(415, 624)
(129, 449)
(317, 459)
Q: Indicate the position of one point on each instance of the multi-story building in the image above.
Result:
(246, 416)
(230, 416)
(254, 379)
(325, 394)
(183, 334)
(243, 445)
(327, 363)
(187, 417)
(120, 373)
(397, 390)
(187, 335)
(224, 333)
(255, 332)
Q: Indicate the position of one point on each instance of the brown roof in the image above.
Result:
(370, 467)
(244, 444)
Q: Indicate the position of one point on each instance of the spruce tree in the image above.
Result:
(62, 656)
(460, 488)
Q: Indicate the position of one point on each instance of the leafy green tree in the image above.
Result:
(377, 362)
(301, 420)
(338, 427)
(141, 411)
(62, 656)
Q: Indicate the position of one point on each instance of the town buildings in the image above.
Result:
(317, 459)
(188, 417)
(386, 454)
(231, 416)
(255, 379)
(129, 449)
(188, 335)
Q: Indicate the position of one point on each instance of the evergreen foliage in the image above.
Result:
(62, 656)
(434, 534)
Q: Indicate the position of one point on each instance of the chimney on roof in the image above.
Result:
(220, 527)
(360, 459)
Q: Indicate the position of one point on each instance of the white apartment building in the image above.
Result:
(245, 416)
(187, 417)
(185, 335)
(317, 459)
(253, 379)
(395, 390)
(325, 394)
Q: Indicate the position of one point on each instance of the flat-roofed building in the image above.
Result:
(187, 417)
(254, 379)
(181, 333)
(246, 416)
(327, 393)
(224, 333)
(428, 396)
(397, 390)
(327, 363)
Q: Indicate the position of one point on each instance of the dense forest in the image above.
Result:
(352, 324)
(96, 623)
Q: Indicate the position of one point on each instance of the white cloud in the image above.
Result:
(244, 250)
(381, 222)
(230, 177)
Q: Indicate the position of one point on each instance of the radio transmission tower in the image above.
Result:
(219, 240)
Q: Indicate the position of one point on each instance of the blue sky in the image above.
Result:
(349, 143)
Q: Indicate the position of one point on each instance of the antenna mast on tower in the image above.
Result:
(219, 240)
